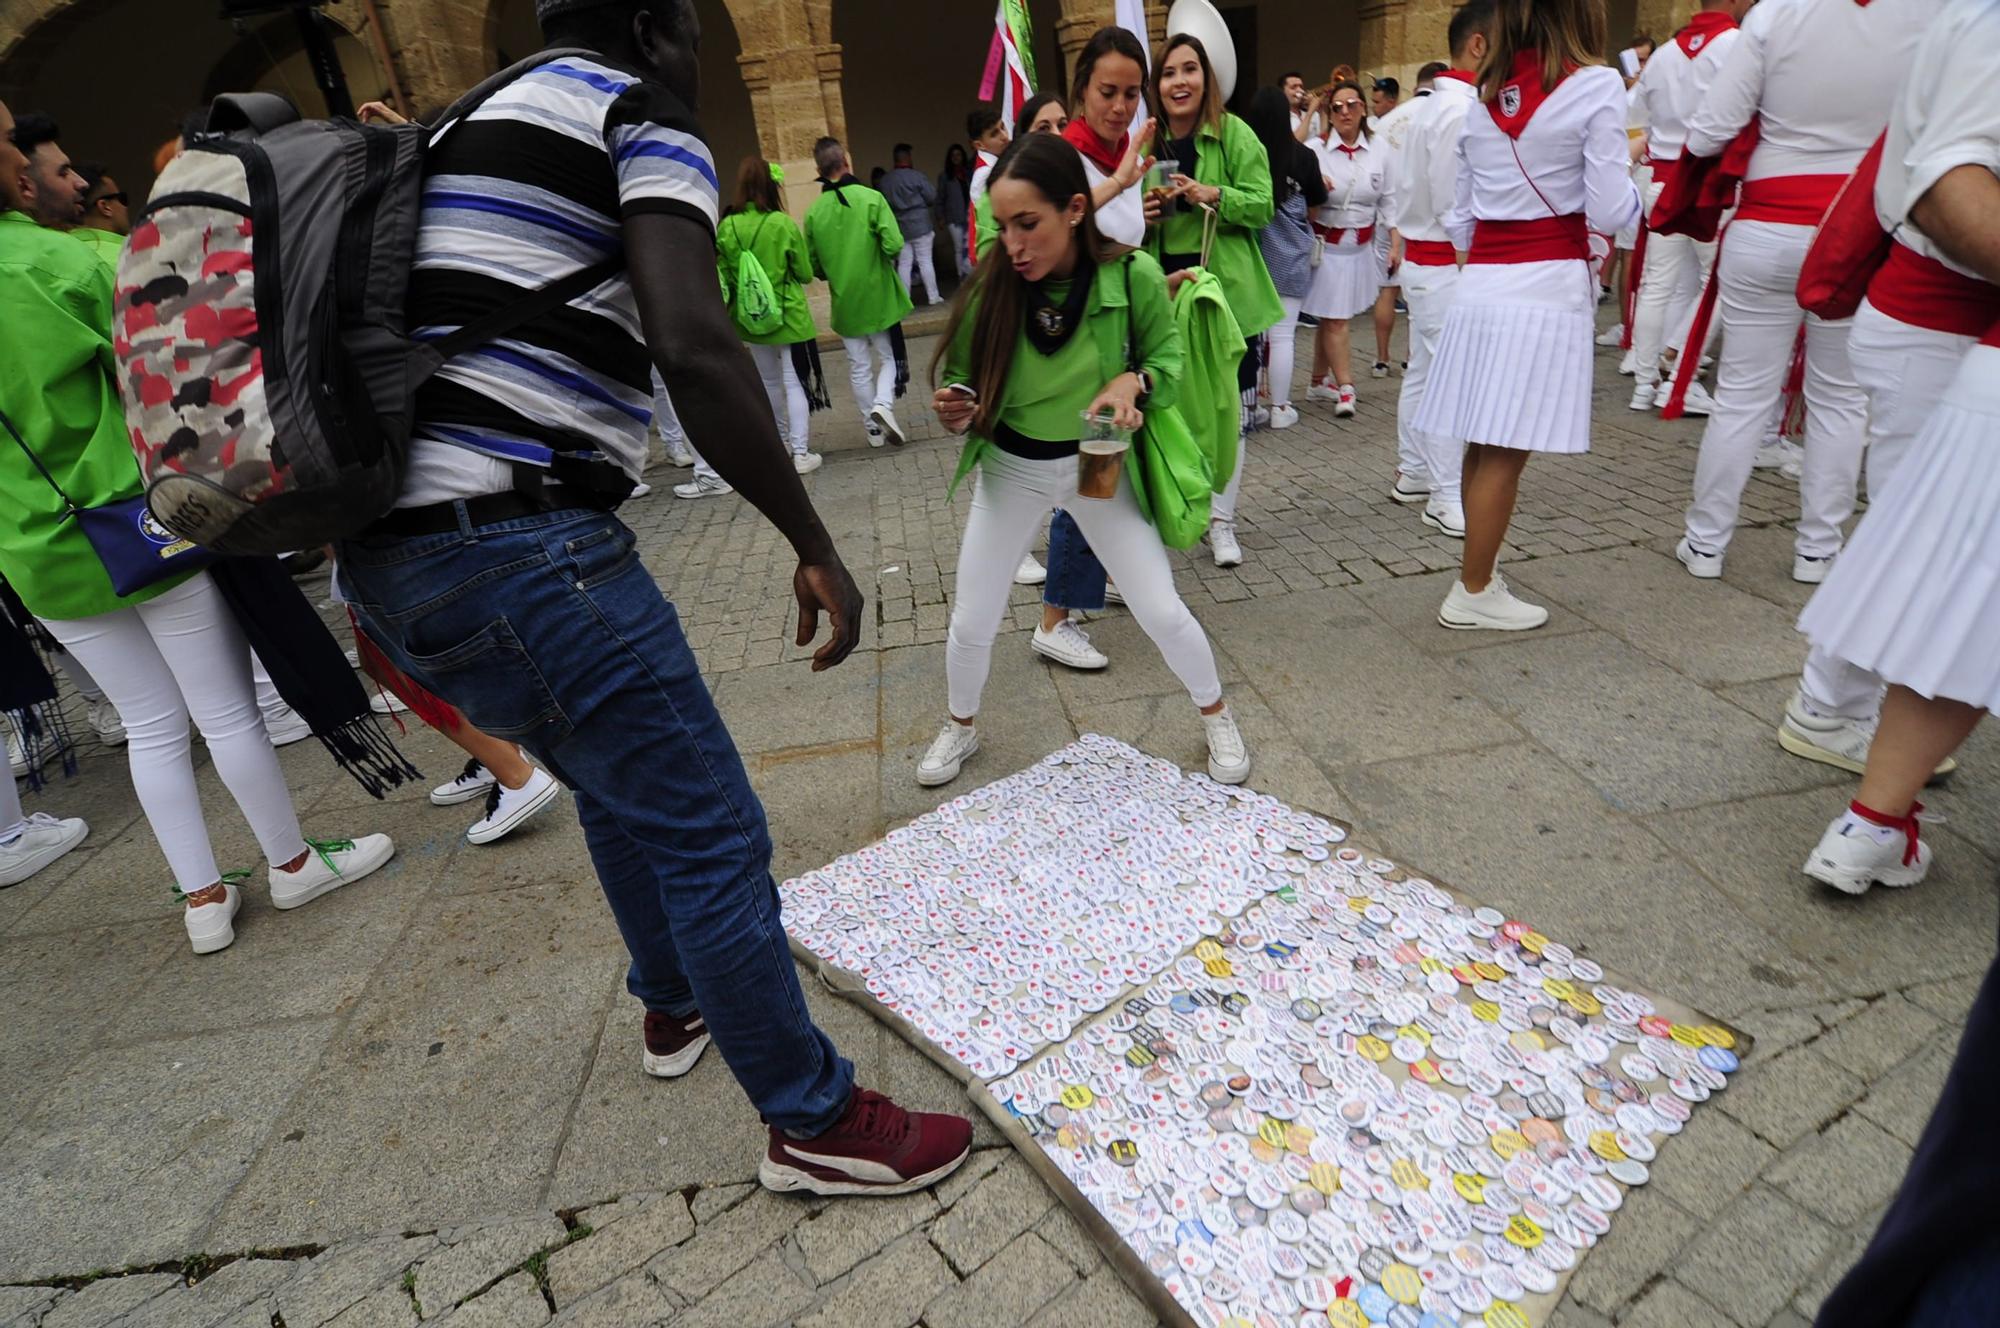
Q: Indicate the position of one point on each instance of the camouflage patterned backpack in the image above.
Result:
(267, 376)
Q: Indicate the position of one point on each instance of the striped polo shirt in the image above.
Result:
(528, 189)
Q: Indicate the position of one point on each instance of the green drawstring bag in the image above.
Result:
(758, 311)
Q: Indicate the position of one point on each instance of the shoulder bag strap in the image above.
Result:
(1514, 143)
(527, 309)
(37, 461)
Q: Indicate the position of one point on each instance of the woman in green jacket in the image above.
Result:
(1051, 329)
(759, 226)
(1219, 163)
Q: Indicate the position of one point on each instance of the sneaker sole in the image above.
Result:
(41, 860)
(1699, 573)
(678, 1064)
(1798, 744)
(1223, 775)
(521, 814)
(1819, 575)
(785, 1180)
(1469, 625)
(220, 940)
(1067, 661)
(1404, 496)
(1441, 528)
(1343, 412)
(1851, 882)
(307, 896)
(942, 777)
(453, 799)
(1032, 580)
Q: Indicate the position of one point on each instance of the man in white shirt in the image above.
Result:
(1423, 185)
(1668, 93)
(1294, 86)
(1391, 126)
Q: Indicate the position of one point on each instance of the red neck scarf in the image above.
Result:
(1349, 148)
(1464, 76)
(1522, 94)
(1702, 28)
(1084, 139)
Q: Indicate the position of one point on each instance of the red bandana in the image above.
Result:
(1465, 77)
(1080, 136)
(1522, 94)
(1701, 28)
(1349, 150)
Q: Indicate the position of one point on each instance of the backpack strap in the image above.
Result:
(527, 309)
(259, 112)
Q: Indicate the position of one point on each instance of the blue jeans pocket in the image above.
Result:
(491, 677)
(600, 555)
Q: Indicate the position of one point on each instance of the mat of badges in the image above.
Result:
(1301, 1085)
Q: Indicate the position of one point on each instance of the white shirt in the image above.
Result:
(1123, 219)
(1946, 116)
(1426, 177)
(1671, 90)
(1818, 75)
(1574, 150)
(1394, 127)
(1359, 184)
(980, 171)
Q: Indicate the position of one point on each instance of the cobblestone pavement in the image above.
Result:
(420, 1099)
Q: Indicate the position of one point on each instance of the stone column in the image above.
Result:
(1661, 18)
(792, 68)
(439, 46)
(1080, 18)
(1399, 37)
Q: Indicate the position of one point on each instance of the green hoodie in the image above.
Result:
(1234, 161)
(851, 236)
(1209, 399)
(776, 241)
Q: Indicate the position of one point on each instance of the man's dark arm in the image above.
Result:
(721, 402)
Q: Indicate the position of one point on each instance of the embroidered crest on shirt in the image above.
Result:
(1510, 99)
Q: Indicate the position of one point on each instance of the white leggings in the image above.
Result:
(159, 661)
(1284, 346)
(1010, 498)
(916, 254)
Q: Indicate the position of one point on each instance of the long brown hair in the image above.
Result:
(757, 187)
(1210, 111)
(1103, 42)
(1567, 33)
(996, 298)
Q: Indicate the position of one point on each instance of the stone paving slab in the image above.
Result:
(426, 1089)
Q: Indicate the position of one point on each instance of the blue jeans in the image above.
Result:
(548, 630)
(1076, 578)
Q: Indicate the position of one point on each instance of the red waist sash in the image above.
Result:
(1925, 293)
(1430, 253)
(1539, 241)
(1331, 234)
(1792, 200)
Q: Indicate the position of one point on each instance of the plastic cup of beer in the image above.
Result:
(1100, 456)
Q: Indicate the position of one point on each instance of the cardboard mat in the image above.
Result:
(1280, 1081)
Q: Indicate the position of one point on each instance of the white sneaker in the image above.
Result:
(287, 727)
(1113, 595)
(330, 864)
(1260, 418)
(1448, 518)
(1324, 390)
(805, 463)
(1644, 397)
(212, 927)
(1492, 609)
(1222, 543)
(42, 840)
(1228, 756)
(1707, 566)
(883, 418)
(1774, 454)
(639, 490)
(1810, 571)
(875, 438)
(471, 782)
(1794, 469)
(386, 702)
(1407, 490)
(509, 809)
(105, 721)
(1833, 740)
(1856, 853)
(1030, 572)
(1628, 366)
(1343, 406)
(1284, 416)
(1696, 402)
(1380, 369)
(704, 486)
(1612, 336)
(681, 456)
(1069, 644)
(955, 742)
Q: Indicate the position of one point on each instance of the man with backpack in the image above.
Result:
(853, 240)
(503, 582)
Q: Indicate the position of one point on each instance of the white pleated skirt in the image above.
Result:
(1346, 282)
(1513, 365)
(1915, 595)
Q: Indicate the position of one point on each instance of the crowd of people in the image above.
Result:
(1136, 263)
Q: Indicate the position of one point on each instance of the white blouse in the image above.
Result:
(1123, 219)
(1359, 195)
(1426, 178)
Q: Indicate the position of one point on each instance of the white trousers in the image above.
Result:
(159, 662)
(1011, 496)
(1284, 352)
(1904, 370)
(1222, 507)
(1428, 291)
(873, 386)
(959, 258)
(665, 418)
(917, 254)
(1760, 321)
(1675, 266)
(789, 407)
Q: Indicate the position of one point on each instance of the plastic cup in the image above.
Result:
(1100, 457)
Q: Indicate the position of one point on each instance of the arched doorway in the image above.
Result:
(120, 75)
(725, 104)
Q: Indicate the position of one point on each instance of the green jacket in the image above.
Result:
(1109, 320)
(57, 386)
(1234, 160)
(779, 245)
(1210, 401)
(851, 236)
(107, 245)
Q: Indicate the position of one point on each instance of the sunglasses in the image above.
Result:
(1345, 107)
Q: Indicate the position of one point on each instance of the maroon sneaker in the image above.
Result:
(876, 1147)
(673, 1044)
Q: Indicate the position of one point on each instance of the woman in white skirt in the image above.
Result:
(1541, 165)
(1349, 275)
